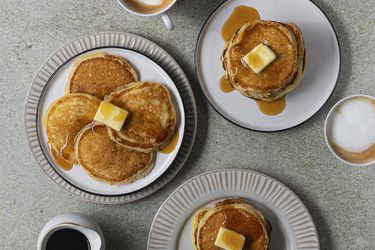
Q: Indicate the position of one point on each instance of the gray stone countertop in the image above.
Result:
(341, 199)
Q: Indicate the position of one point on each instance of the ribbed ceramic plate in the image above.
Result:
(49, 84)
(322, 60)
(292, 225)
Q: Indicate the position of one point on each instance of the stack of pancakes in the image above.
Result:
(105, 154)
(280, 77)
(233, 214)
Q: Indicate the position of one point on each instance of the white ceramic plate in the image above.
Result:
(323, 65)
(292, 225)
(153, 64)
(147, 70)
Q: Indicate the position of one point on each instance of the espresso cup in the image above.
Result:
(78, 225)
(162, 13)
(328, 130)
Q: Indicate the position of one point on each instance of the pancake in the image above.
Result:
(99, 74)
(301, 65)
(63, 121)
(107, 161)
(234, 214)
(284, 39)
(152, 119)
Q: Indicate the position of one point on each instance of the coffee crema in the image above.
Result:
(148, 6)
(352, 134)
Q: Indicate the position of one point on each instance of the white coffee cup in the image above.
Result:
(327, 131)
(89, 228)
(163, 13)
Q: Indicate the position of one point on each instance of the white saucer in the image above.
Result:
(292, 225)
(323, 65)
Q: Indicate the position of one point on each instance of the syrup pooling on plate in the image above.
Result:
(272, 108)
(240, 15)
(170, 147)
(225, 86)
(60, 161)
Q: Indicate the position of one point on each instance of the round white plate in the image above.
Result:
(147, 70)
(323, 65)
(152, 64)
(292, 225)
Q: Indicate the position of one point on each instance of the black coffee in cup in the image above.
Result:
(65, 239)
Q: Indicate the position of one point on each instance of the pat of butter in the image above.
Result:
(259, 58)
(229, 239)
(111, 115)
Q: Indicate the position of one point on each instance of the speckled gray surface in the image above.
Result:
(341, 199)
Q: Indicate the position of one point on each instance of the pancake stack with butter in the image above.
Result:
(231, 224)
(108, 123)
(265, 59)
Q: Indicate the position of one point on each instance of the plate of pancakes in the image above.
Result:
(251, 209)
(117, 77)
(267, 65)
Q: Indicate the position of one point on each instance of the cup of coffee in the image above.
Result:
(71, 231)
(150, 8)
(349, 130)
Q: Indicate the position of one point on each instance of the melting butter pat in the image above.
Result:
(111, 115)
(229, 239)
(259, 58)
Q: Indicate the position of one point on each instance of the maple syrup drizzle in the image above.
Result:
(272, 108)
(241, 15)
(171, 145)
(225, 85)
(60, 161)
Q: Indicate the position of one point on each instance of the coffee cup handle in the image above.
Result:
(167, 21)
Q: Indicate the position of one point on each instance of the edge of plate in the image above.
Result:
(252, 129)
(49, 159)
(97, 41)
(163, 243)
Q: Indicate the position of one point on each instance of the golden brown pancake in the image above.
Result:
(107, 161)
(284, 39)
(301, 65)
(63, 121)
(99, 74)
(234, 214)
(152, 119)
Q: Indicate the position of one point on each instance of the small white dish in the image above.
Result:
(322, 70)
(292, 225)
(328, 126)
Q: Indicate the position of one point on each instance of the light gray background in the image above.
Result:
(340, 198)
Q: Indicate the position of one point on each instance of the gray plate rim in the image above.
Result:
(161, 231)
(109, 40)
